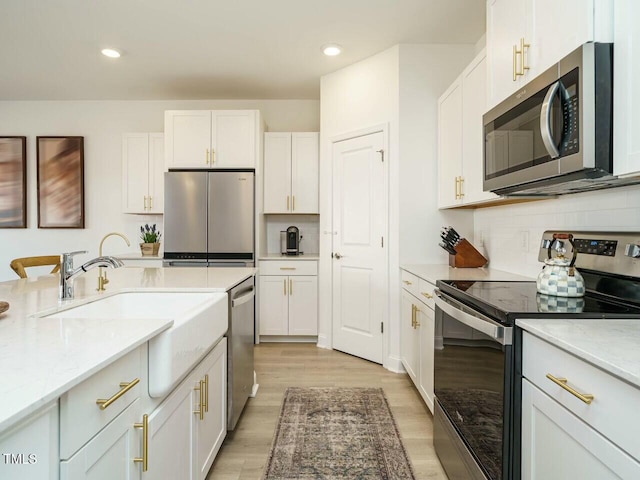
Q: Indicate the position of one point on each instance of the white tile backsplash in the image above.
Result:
(309, 226)
(502, 227)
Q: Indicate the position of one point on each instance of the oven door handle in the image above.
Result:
(477, 321)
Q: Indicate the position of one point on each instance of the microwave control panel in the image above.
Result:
(596, 247)
(570, 129)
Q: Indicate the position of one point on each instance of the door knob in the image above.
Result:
(337, 255)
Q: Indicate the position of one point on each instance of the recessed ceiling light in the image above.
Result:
(110, 52)
(332, 49)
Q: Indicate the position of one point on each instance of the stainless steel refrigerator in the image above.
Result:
(209, 218)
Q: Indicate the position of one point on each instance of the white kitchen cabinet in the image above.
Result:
(525, 37)
(291, 172)
(417, 333)
(288, 298)
(29, 450)
(461, 139)
(110, 454)
(142, 173)
(211, 138)
(578, 425)
(177, 422)
(626, 98)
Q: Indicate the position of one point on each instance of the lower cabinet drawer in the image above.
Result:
(425, 290)
(410, 282)
(81, 417)
(288, 267)
(614, 407)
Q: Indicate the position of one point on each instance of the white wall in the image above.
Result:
(102, 124)
(512, 233)
(398, 88)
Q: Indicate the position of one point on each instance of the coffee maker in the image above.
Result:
(290, 241)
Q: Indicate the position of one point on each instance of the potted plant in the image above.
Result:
(150, 237)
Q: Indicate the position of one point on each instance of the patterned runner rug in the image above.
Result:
(336, 434)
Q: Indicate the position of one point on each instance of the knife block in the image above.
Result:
(466, 256)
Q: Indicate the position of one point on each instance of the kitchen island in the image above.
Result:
(43, 358)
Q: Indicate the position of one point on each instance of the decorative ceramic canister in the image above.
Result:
(559, 277)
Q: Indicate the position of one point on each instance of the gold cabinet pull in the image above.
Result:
(426, 295)
(413, 316)
(206, 157)
(407, 282)
(515, 60)
(523, 66)
(287, 203)
(287, 268)
(461, 182)
(145, 442)
(145, 202)
(213, 156)
(416, 323)
(290, 287)
(562, 383)
(150, 203)
(206, 392)
(284, 286)
(458, 188)
(124, 388)
(293, 203)
(200, 389)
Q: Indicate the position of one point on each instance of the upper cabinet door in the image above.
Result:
(135, 172)
(474, 79)
(277, 172)
(626, 87)
(304, 172)
(156, 173)
(450, 145)
(233, 138)
(187, 138)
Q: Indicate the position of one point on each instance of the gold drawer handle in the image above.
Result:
(145, 442)
(200, 389)
(406, 282)
(427, 295)
(124, 388)
(206, 392)
(287, 268)
(562, 383)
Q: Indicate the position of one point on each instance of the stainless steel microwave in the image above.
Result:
(554, 135)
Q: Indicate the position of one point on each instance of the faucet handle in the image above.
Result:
(68, 256)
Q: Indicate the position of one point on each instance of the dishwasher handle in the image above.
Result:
(247, 297)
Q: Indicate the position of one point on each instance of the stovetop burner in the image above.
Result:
(507, 301)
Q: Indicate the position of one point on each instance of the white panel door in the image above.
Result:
(135, 172)
(156, 173)
(450, 145)
(474, 80)
(274, 305)
(187, 138)
(110, 453)
(171, 433)
(557, 445)
(408, 336)
(360, 270)
(233, 138)
(209, 433)
(277, 172)
(303, 305)
(626, 100)
(426, 327)
(304, 172)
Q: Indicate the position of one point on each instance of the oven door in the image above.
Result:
(473, 390)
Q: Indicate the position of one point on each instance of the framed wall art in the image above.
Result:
(13, 182)
(60, 182)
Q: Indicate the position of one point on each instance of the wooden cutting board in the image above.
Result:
(4, 306)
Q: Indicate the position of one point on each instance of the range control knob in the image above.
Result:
(632, 250)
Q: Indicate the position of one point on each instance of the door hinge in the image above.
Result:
(381, 152)
(382, 242)
(381, 327)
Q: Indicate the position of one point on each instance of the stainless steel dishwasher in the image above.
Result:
(240, 337)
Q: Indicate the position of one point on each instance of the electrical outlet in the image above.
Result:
(524, 240)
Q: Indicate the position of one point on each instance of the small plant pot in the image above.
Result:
(149, 249)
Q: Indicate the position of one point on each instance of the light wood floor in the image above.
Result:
(244, 453)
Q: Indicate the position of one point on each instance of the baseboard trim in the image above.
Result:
(394, 364)
(323, 342)
(287, 339)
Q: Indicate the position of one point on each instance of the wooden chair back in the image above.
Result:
(19, 264)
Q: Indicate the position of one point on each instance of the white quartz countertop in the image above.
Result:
(431, 273)
(42, 358)
(136, 256)
(611, 345)
(279, 256)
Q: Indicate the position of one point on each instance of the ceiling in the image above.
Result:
(199, 49)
